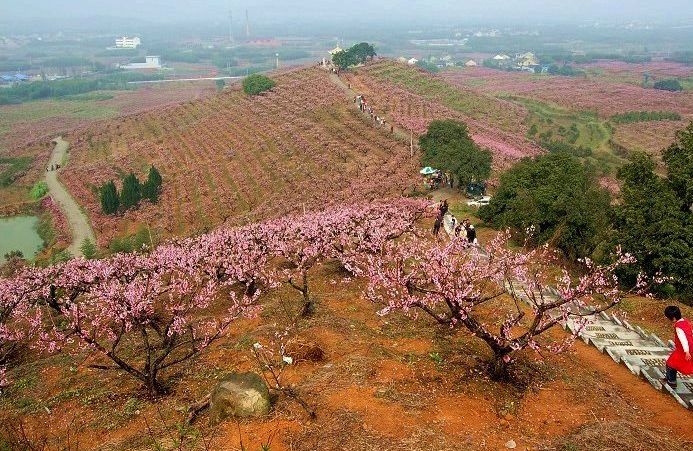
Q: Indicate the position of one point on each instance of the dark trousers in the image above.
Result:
(671, 375)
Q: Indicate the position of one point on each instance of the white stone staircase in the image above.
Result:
(644, 354)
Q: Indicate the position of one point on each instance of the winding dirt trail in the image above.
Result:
(80, 229)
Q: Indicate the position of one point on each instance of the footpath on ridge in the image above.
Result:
(399, 132)
(80, 229)
(644, 354)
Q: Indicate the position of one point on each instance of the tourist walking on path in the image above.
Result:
(680, 360)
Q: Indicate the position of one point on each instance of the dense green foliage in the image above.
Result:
(560, 146)
(13, 168)
(652, 224)
(357, 54)
(39, 190)
(448, 147)
(152, 187)
(670, 84)
(429, 67)
(565, 70)
(257, 83)
(133, 191)
(554, 199)
(61, 88)
(645, 116)
(88, 249)
(131, 194)
(110, 202)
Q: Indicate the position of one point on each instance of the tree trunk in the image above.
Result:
(308, 305)
(499, 367)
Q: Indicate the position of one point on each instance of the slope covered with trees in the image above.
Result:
(238, 158)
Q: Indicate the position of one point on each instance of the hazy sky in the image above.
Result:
(415, 11)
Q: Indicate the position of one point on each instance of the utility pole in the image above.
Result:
(277, 55)
(411, 142)
(230, 26)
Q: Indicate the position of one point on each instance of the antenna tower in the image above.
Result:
(247, 25)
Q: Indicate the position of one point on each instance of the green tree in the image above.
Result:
(88, 249)
(344, 59)
(152, 187)
(447, 146)
(220, 84)
(650, 224)
(39, 190)
(256, 84)
(554, 199)
(132, 191)
(110, 202)
(679, 160)
(362, 51)
(670, 84)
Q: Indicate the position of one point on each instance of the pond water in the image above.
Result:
(19, 233)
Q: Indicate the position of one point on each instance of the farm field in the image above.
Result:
(580, 110)
(26, 130)
(234, 158)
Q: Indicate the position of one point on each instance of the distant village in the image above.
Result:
(523, 62)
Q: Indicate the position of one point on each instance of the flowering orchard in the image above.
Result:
(498, 295)
(412, 99)
(148, 312)
(236, 159)
(573, 93)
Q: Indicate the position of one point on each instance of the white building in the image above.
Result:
(151, 62)
(127, 43)
(501, 57)
(412, 62)
(471, 63)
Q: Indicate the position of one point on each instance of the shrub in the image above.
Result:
(39, 190)
(110, 201)
(670, 84)
(257, 83)
(645, 116)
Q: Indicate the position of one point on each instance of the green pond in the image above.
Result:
(19, 233)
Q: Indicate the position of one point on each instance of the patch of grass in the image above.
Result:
(582, 130)
(12, 168)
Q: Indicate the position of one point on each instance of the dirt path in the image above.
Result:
(80, 229)
(399, 133)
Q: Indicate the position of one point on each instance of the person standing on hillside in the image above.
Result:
(443, 208)
(680, 360)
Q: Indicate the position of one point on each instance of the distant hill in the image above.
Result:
(236, 158)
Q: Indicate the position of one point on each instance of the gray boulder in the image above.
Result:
(239, 395)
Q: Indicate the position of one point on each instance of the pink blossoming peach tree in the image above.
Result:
(504, 297)
(149, 312)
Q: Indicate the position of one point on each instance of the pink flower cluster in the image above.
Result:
(487, 291)
(166, 303)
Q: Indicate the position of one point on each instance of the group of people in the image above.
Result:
(364, 107)
(464, 229)
(53, 167)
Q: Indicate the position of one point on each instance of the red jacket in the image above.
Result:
(677, 359)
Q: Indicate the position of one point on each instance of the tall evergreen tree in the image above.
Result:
(132, 191)
(152, 187)
(109, 198)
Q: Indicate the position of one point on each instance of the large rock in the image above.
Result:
(239, 395)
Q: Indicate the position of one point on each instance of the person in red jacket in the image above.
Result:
(680, 360)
